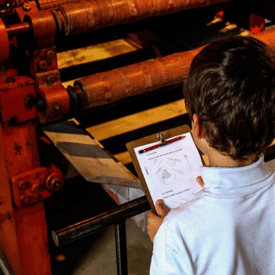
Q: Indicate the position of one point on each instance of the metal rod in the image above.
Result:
(121, 248)
(106, 87)
(86, 16)
(94, 224)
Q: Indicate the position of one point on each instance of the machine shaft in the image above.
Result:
(103, 88)
(85, 16)
(107, 87)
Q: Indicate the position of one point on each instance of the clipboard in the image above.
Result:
(161, 137)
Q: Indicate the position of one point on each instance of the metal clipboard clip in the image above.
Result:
(163, 141)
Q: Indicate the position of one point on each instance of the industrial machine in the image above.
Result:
(32, 96)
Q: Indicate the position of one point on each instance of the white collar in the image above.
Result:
(236, 181)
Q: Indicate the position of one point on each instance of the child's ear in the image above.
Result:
(197, 127)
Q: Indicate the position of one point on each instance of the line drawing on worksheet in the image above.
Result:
(170, 171)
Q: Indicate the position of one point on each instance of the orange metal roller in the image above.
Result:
(85, 16)
(140, 78)
(106, 87)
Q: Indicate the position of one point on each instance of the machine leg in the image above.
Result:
(33, 240)
(23, 230)
(121, 248)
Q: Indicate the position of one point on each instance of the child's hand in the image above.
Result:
(200, 181)
(154, 220)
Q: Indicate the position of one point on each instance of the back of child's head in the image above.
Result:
(231, 87)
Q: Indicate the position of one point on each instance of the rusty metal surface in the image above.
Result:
(31, 187)
(106, 87)
(43, 28)
(18, 29)
(51, 4)
(43, 60)
(22, 109)
(26, 8)
(85, 16)
(74, 16)
(29, 223)
(31, 229)
(53, 101)
(21, 148)
(55, 97)
(4, 43)
(8, 237)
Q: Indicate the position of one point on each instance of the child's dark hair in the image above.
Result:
(230, 85)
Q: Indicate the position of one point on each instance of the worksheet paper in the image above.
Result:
(170, 171)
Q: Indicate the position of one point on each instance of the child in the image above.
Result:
(230, 227)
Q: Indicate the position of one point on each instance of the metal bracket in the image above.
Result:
(33, 186)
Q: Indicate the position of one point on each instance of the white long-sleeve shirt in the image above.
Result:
(228, 229)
